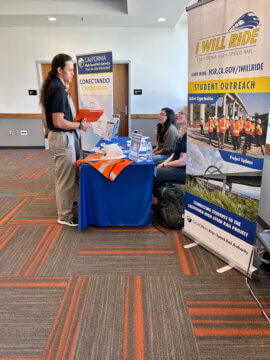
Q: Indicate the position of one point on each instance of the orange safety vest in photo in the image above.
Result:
(222, 125)
(201, 122)
(252, 126)
(258, 130)
(108, 168)
(210, 125)
(247, 127)
(241, 122)
(236, 129)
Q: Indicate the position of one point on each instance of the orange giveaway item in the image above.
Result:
(89, 115)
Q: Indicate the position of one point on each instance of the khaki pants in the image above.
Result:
(63, 149)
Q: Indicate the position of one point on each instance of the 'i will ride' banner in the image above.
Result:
(229, 98)
(95, 88)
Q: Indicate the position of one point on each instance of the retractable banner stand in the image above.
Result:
(95, 89)
(229, 100)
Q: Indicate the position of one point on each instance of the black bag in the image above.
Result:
(171, 206)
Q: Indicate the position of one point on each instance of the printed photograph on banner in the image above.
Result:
(231, 122)
(217, 178)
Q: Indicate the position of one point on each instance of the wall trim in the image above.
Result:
(24, 115)
(144, 116)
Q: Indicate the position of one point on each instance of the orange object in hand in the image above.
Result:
(88, 115)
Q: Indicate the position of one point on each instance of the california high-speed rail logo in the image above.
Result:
(243, 32)
(246, 21)
(81, 62)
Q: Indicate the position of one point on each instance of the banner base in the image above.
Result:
(252, 271)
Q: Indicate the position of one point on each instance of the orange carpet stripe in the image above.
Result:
(228, 321)
(235, 272)
(75, 325)
(41, 172)
(39, 252)
(27, 173)
(227, 302)
(125, 342)
(13, 358)
(42, 254)
(181, 254)
(52, 241)
(34, 221)
(138, 320)
(225, 311)
(230, 332)
(184, 238)
(68, 320)
(8, 216)
(37, 172)
(34, 284)
(118, 252)
(31, 173)
(18, 164)
(73, 343)
(2, 152)
(20, 272)
(7, 236)
(47, 353)
(190, 255)
(70, 326)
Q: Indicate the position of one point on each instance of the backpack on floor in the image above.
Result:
(171, 206)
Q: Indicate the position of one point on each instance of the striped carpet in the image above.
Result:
(112, 293)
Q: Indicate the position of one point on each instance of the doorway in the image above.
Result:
(120, 93)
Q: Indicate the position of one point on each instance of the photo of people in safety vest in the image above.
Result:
(236, 122)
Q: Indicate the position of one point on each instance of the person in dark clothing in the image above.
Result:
(173, 169)
(61, 127)
(166, 135)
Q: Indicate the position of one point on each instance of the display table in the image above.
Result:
(126, 201)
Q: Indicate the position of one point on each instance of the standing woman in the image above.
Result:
(173, 169)
(166, 135)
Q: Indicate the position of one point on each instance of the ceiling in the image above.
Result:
(81, 13)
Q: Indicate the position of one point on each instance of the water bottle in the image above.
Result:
(149, 152)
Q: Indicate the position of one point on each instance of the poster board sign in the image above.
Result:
(135, 145)
(95, 88)
(229, 93)
(116, 120)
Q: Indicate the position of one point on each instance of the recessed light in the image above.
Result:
(52, 18)
(161, 19)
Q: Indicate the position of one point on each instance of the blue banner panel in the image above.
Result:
(203, 98)
(223, 219)
(239, 159)
(95, 63)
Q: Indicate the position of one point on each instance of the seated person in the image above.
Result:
(166, 135)
(173, 169)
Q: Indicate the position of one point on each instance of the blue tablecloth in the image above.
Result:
(126, 201)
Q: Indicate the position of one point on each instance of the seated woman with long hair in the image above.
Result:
(166, 135)
(173, 169)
